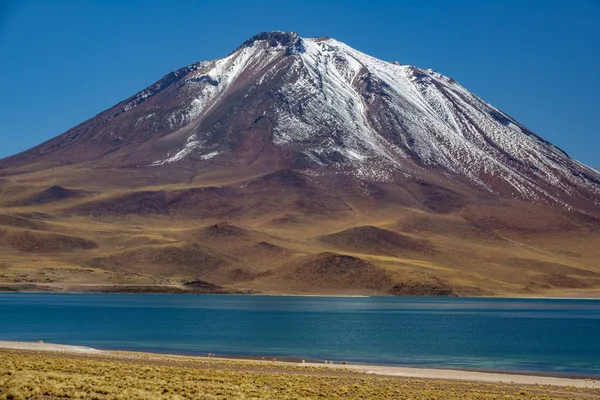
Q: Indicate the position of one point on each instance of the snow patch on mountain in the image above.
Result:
(191, 145)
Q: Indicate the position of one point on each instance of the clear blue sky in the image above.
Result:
(64, 61)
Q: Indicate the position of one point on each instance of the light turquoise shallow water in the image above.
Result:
(550, 336)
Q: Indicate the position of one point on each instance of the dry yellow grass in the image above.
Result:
(30, 375)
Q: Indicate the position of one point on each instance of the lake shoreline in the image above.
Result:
(172, 290)
(519, 378)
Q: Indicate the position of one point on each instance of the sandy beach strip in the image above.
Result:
(41, 346)
(450, 374)
(392, 371)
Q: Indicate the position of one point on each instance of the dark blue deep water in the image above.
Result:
(549, 336)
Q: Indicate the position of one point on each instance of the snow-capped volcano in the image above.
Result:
(298, 165)
(319, 105)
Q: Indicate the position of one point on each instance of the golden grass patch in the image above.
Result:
(27, 375)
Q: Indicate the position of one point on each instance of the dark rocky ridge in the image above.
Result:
(291, 40)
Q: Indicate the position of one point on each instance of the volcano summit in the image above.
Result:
(301, 166)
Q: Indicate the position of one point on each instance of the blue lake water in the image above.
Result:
(535, 335)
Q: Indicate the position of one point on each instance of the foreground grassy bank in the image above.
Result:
(26, 375)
